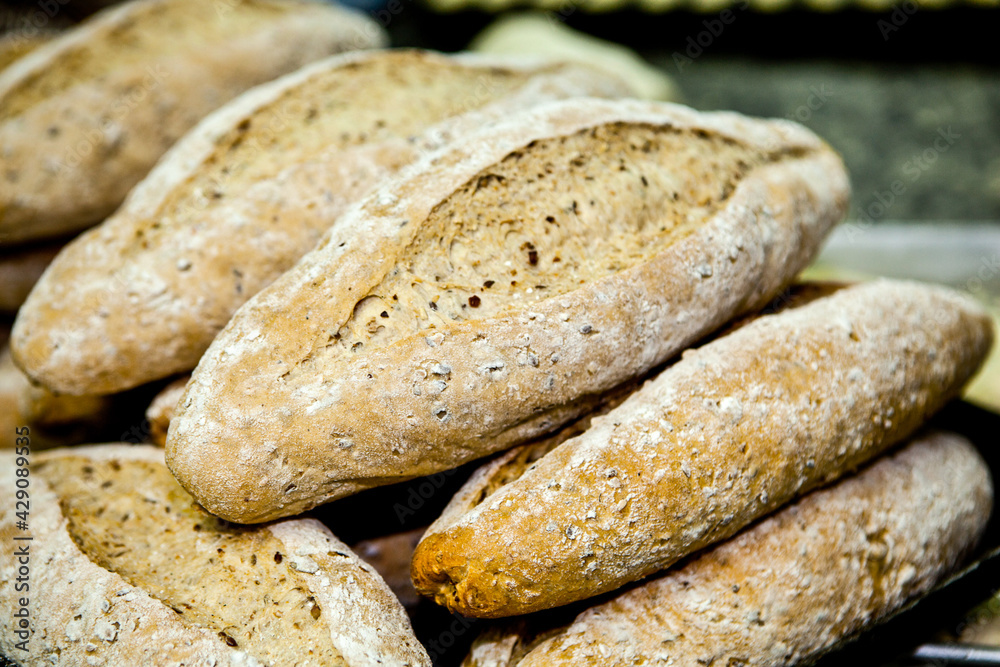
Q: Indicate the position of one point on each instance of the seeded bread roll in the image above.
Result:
(20, 269)
(84, 117)
(493, 292)
(731, 432)
(127, 570)
(248, 192)
(791, 587)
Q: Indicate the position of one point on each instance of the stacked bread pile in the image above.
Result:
(388, 264)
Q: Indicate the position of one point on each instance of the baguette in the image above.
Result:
(493, 292)
(108, 97)
(20, 269)
(245, 195)
(788, 589)
(127, 570)
(731, 432)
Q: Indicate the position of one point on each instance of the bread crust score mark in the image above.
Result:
(493, 292)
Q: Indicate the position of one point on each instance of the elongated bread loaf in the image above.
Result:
(125, 569)
(85, 116)
(784, 591)
(734, 430)
(248, 192)
(493, 292)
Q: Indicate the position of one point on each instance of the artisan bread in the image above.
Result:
(248, 192)
(792, 586)
(85, 116)
(20, 269)
(731, 432)
(127, 570)
(493, 292)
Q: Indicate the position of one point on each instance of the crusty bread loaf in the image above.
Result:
(732, 431)
(493, 292)
(789, 588)
(161, 409)
(248, 192)
(20, 269)
(85, 116)
(127, 570)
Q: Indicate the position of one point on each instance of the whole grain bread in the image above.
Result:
(731, 432)
(128, 570)
(85, 116)
(794, 585)
(248, 192)
(493, 292)
(17, 44)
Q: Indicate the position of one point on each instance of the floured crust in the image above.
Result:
(782, 592)
(732, 431)
(267, 430)
(82, 612)
(246, 193)
(106, 121)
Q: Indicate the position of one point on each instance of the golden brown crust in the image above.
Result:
(734, 430)
(121, 594)
(327, 410)
(108, 98)
(780, 593)
(245, 194)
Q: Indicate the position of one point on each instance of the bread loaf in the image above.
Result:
(493, 292)
(248, 192)
(85, 116)
(125, 569)
(791, 587)
(731, 432)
